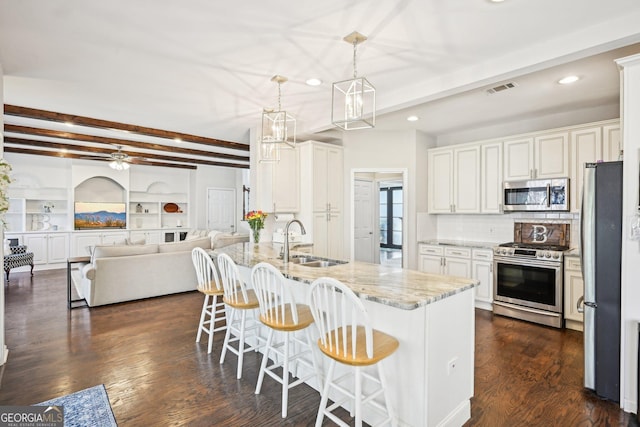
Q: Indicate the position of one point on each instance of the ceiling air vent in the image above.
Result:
(501, 88)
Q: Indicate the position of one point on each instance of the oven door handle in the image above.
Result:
(528, 263)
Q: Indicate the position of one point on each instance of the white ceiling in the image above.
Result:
(204, 67)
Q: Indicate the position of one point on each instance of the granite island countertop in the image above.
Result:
(394, 286)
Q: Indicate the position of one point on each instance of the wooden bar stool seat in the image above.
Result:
(346, 337)
(281, 314)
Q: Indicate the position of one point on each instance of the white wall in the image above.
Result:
(385, 150)
(630, 109)
(3, 348)
(215, 177)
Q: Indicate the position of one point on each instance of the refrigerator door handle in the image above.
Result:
(579, 306)
(591, 304)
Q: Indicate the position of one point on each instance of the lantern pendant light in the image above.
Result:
(278, 128)
(354, 100)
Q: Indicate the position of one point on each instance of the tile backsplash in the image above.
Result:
(495, 228)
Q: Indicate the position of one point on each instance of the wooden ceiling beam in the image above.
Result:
(27, 130)
(33, 113)
(82, 148)
(8, 149)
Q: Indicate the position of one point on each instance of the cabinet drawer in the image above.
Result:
(572, 263)
(482, 254)
(431, 250)
(458, 252)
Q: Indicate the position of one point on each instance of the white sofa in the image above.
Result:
(131, 272)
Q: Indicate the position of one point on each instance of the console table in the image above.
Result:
(71, 303)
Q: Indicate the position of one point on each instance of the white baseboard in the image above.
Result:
(630, 406)
(458, 416)
(5, 355)
(484, 305)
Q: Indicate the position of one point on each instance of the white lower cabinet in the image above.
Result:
(463, 262)
(482, 270)
(573, 291)
(47, 248)
(83, 242)
(446, 260)
(148, 237)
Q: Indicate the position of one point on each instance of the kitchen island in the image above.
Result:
(430, 377)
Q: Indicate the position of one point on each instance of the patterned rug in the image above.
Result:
(89, 407)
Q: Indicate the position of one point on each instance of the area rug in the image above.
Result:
(88, 407)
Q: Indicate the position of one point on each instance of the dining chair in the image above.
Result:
(239, 300)
(213, 311)
(346, 337)
(283, 316)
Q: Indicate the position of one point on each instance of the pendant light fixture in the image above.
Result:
(278, 128)
(354, 100)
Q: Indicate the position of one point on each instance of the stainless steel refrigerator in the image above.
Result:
(601, 250)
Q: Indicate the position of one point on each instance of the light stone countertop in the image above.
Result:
(397, 287)
(461, 243)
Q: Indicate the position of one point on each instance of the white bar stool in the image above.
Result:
(239, 300)
(209, 284)
(279, 312)
(346, 337)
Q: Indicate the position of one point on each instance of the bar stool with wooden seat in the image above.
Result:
(213, 311)
(280, 313)
(239, 301)
(346, 337)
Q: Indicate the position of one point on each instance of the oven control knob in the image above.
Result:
(548, 255)
(556, 256)
(504, 252)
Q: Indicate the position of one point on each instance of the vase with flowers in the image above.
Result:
(256, 222)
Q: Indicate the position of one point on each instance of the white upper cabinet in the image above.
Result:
(454, 180)
(278, 183)
(466, 180)
(611, 142)
(491, 178)
(590, 145)
(518, 159)
(586, 147)
(538, 157)
(552, 155)
(286, 181)
(440, 184)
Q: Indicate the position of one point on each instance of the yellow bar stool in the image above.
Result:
(281, 314)
(346, 337)
(239, 300)
(209, 284)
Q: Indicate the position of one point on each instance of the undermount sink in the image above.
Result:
(311, 261)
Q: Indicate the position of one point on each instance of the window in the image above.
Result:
(391, 217)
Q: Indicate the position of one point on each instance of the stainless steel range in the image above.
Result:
(528, 274)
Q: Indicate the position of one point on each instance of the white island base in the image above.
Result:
(430, 376)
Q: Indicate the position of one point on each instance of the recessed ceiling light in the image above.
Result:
(568, 80)
(69, 124)
(314, 81)
(412, 118)
(496, 1)
(178, 140)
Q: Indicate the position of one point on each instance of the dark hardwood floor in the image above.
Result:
(155, 374)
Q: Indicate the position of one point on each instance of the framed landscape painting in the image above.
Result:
(99, 215)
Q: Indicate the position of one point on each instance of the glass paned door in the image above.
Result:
(391, 212)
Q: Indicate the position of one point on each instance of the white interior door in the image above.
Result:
(221, 209)
(364, 228)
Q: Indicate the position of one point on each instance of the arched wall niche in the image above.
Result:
(99, 189)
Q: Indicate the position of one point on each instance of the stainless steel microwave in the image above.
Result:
(537, 195)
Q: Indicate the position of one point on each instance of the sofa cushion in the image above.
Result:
(109, 251)
(185, 245)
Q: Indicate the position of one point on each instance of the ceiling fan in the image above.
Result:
(119, 160)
